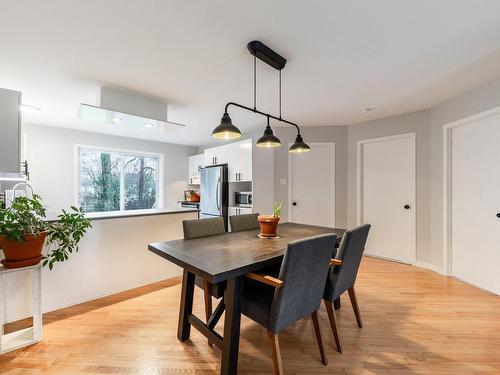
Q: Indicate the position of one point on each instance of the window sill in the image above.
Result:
(135, 213)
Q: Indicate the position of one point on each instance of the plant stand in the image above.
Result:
(27, 336)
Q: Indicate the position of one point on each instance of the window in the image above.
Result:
(118, 180)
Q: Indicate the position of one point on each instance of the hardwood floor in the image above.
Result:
(414, 322)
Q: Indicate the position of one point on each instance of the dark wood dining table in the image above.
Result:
(227, 257)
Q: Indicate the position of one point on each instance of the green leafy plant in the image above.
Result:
(27, 216)
(277, 206)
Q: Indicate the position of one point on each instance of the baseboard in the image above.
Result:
(418, 264)
(431, 267)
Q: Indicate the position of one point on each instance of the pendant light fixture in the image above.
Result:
(268, 139)
(226, 129)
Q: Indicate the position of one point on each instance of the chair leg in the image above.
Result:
(275, 349)
(333, 324)
(355, 307)
(317, 331)
(208, 303)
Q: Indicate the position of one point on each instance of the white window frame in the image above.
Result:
(159, 190)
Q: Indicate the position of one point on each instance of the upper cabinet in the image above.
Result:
(216, 155)
(10, 131)
(240, 164)
(237, 155)
(196, 162)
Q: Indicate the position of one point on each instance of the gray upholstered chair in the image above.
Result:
(276, 303)
(342, 275)
(240, 223)
(201, 228)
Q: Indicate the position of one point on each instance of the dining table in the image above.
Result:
(227, 258)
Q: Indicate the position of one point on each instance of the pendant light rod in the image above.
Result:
(255, 82)
(255, 110)
(280, 93)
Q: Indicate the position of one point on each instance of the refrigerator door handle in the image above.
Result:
(217, 194)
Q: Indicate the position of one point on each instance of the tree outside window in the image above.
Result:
(117, 181)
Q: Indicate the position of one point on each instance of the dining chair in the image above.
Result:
(342, 276)
(197, 228)
(240, 223)
(276, 303)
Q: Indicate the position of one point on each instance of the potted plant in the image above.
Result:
(24, 231)
(269, 223)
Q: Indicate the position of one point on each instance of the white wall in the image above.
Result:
(113, 257)
(50, 154)
(474, 101)
(417, 122)
(333, 134)
(428, 125)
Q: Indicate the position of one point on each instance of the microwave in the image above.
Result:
(243, 198)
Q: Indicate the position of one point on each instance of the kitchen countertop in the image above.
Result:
(127, 214)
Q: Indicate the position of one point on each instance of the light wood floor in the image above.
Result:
(415, 322)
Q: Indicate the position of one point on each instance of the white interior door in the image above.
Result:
(387, 196)
(476, 203)
(312, 186)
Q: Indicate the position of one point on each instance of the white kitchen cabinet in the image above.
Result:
(237, 155)
(10, 131)
(240, 161)
(232, 211)
(196, 162)
(216, 155)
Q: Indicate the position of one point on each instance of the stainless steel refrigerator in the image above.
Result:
(214, 195)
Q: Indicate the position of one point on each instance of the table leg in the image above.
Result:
(186, 308)
(229, 365)
(336, 303)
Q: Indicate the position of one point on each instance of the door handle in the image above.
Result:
(498, 215)
(217, 194)
(406, 207)
(294, 203)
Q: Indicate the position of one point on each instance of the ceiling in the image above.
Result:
(394, 55)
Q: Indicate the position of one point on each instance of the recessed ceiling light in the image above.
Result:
(367, 109)
(29, 108)
(116, 119)
(148, 125)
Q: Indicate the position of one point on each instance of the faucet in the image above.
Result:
(21, 184)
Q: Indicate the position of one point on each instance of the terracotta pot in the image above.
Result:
(268, 225)
(23, 254)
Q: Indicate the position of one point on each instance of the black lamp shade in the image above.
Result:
(226, 129)
(299, 145)
(268, 139)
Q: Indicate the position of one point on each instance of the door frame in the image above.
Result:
(448, 183)
(359, 182)
(332, 181)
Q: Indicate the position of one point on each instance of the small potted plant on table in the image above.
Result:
(269, 223)
(24, 231)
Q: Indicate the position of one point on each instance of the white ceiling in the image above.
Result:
(395, 55)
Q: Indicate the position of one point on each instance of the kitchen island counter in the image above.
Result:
(128, 214)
